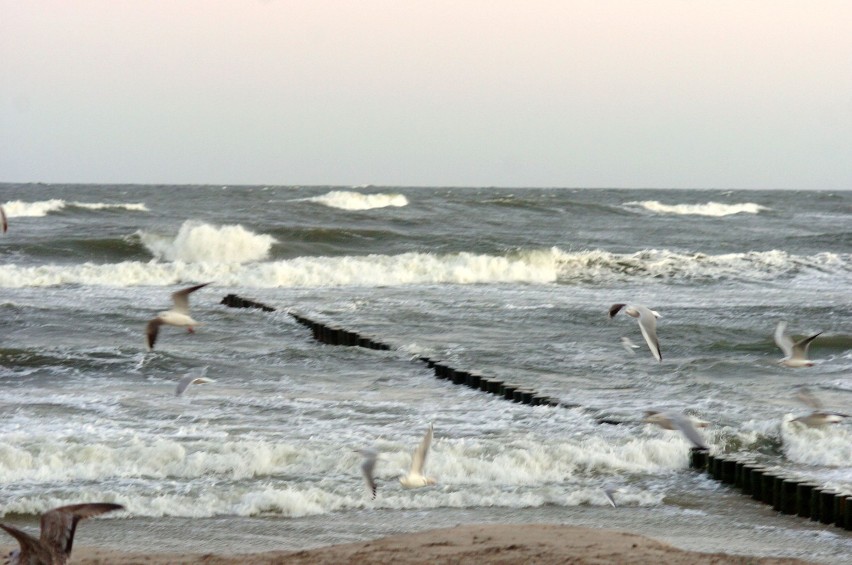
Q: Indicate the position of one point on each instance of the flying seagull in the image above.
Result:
(676, 421)
(177, 316)
(367, 468)
(628, 345)
(415, 477)
(796, 353)
(647, 323)
(57, 534)
(609, 492)
(820, 416)
(193, 378)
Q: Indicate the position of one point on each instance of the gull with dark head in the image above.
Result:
(676, 421)
(368, 466)
(57, 534)
(795, 352)
(194, 377)
(177, 316)
(820, 416)
(415, 477)
(647, 319)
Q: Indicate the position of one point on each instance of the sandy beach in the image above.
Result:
(542, 544)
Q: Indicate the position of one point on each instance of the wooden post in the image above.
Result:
(826, 506)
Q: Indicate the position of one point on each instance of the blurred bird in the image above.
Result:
(195, 377)
(819, 417)
(415, 477)
(676, 421)
(796, 353)
(367, 468)
(647, 324)
(57, 534)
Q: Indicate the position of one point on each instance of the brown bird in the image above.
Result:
(57, 534)
(177, 316)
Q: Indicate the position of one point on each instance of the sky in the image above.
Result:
(523, 93)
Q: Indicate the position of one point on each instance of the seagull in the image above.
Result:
(367, 467)
(796, 353)
(676, 421)
(415, 477)
(819, 417)
(57, 534)
(177, 316)
(609, 492)
(628, 345)
(4, 223)
(193, 378)
(647, 323)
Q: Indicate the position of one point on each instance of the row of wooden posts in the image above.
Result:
(786, 494)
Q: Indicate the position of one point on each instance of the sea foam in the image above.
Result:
(197, 242)
(202, 252)
(348, 200)
(715, 209)
(20, 209)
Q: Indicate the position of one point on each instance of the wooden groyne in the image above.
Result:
(786, 494)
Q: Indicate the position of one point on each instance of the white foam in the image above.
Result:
(197, 242)
(714, 209)
(20, 209)
(202, 252)
(826, 446)
(348, 200)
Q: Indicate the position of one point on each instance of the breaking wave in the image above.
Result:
(714, 209)
(348, 200)
(203, 252)
(20, 209)
(198, 242)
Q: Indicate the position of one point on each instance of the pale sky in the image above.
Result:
(598, 93)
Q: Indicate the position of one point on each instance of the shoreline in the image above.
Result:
(542, 544)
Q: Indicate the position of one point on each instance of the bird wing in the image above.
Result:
(807, 397)
(4, 224)
(181, 298)
(31, 548)
(685, 426)
(151, 331)
(367, 468)
(58, 525)
(419, 457)
(800, 348)
(609, 492)
(615, 309)
(783, 341)
(648, 325)
(196, 376)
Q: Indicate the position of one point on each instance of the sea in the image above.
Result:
(511, 283)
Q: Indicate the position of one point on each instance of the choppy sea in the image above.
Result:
(513, 283)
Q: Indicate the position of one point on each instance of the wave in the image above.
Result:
(169, 477)
(197, 242)
(830, 446)
(348, 200)
(714, 209)
(20, 209)
(219, 254)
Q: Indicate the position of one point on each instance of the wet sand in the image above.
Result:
(541, 544)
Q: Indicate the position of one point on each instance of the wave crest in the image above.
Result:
(714, 209)
(197, 242)
(21, 209)
(348, 200)
(217, 254)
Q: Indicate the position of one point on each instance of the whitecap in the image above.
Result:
(827, 446)
(348, 200)
(714, 209)
(197, 242)
(20, 209)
